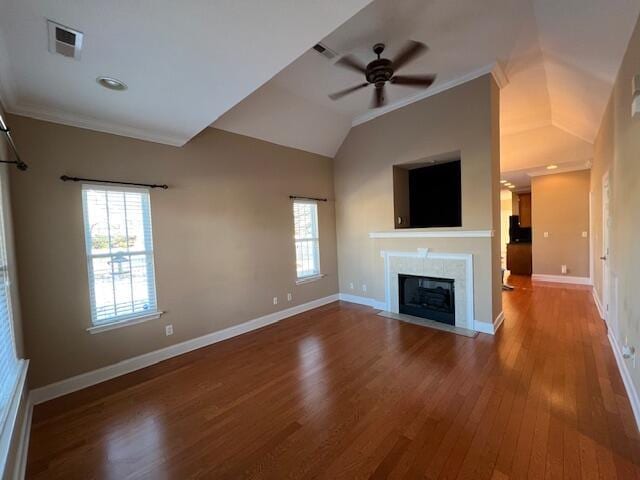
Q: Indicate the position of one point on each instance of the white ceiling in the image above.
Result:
(186, 62)
(560, 58)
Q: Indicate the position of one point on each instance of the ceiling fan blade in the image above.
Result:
(413, 80)
(411, 51)
(351, 63)
(379, 98)
(347, 91)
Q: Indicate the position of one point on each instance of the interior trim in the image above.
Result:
(596, 299)
(79, 121)
(495, 69)
(20, 469)
(84, 380)
(626, 378)
(8, 430)
(134, 320)
(411, 233)
(539, 277)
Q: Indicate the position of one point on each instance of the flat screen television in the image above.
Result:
(435, 196)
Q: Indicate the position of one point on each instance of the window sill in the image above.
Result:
(310, 278)
(124, 323)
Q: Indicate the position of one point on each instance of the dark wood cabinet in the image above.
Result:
(519, 258)
(525, 210)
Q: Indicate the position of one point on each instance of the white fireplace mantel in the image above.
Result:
(417, 268)
(411, 233)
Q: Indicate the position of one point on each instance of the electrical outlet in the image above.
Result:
(289, 297)
(168, 330)
(546, 234)
(584, 234)
(351, 285)
(275, 300)
(364, 287)
(564, 269)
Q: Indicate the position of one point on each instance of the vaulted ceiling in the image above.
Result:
(185, 62)
(248, 66)
(560, 59)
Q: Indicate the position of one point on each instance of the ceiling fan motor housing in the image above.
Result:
(379, 71)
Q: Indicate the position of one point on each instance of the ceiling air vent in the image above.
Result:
(64, 40)
(324, 50)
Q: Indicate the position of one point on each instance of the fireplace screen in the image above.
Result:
(427, 297)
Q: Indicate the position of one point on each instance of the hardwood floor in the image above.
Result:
(339, 392)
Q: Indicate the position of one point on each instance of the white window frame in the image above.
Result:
(9, 414)
(120, 320)
(315, 239)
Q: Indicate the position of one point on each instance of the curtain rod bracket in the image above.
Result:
(20, 165)
(67, 178)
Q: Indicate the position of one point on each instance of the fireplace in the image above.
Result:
(427, 297)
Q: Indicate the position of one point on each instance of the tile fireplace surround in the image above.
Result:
(456, 266)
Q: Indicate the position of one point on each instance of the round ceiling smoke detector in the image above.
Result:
(111, 83)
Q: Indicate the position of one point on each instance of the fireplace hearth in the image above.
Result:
(427, 297)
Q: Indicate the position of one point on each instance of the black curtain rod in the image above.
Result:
(17, 162)
(296, 197)
(66, 178)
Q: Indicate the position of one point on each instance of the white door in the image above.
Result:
(606, 227)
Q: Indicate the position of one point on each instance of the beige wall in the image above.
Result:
(560, 206)
(463, 119)
(618, 150)
(223, 237)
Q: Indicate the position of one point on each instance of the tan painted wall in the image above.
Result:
(462, 119)
(223, 237)
(560, 206)
(618, 149)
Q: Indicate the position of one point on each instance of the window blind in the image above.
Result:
(119, 247)
(8, 359)
(305, 219)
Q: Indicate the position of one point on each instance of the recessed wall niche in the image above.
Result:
(428, 193)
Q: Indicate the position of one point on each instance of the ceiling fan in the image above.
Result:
(382, 70)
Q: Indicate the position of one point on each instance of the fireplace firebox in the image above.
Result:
(427, 297)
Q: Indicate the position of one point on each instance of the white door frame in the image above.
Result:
(606, 246)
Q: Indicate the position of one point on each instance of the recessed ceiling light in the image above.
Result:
(111, 83)
(552, 167)
(511, 186)
(503, 181)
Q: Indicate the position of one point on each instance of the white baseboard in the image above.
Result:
(84, 380)
(369, 302)
(596, 299)
(490, 328)
(561, 279)
(20, 469)
(626, 378)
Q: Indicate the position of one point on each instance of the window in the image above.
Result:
(117, 223)
(9, 365)
(305, 219)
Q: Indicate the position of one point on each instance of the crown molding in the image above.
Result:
(495, 69)
(79, 121)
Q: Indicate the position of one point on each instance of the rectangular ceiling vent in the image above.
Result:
(324, 50)
(64, 40)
